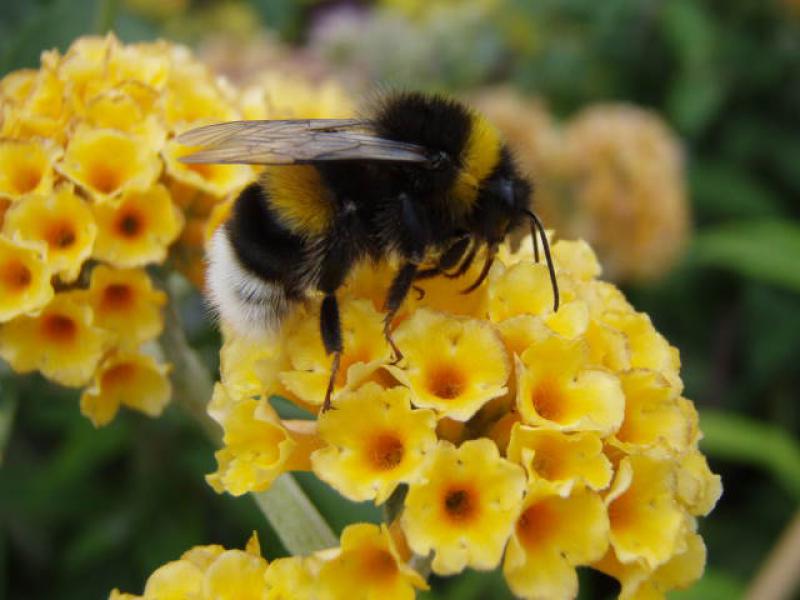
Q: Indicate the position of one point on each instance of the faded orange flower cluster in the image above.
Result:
(92, 194)
(610, 168)
(508, 435)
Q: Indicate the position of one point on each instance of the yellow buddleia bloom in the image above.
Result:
(137, 229)
(463, 506)
(62, 341)
(24, 281)
(561, 459)
(553, 535)
(698, 488)
(126, 379)
(61, 224)
(646, 519)
(256, 445)
(368, 559)
(107, 162)
(452, 365)
(365, 350)
(126, 304)
(217, 180)
(26, 167)
(558, 388)
(376, 441)
(293, 578)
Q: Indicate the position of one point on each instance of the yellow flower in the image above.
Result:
(61, 224)
(646, 520)
(192, 95)
(463, 506)
(24, 281)
(524, 288)
(176, 580)
(218, 180)
(368, 559)
(119, 109)
(61, 342)
(256, 445)
(26, 167)
(125, 303)
(308, 371)
(656, 421)
(679, 572)
(562, 459)
(293, 578)
(376, 441)
(553, 535)
(137, 229)
(126, 379)
(453, 365)
(698, 488)
(557, 387)
(107, 162)
(235, 575)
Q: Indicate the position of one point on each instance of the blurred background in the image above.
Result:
(665, 133)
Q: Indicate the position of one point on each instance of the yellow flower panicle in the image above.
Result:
(508, 435)
(91, 189)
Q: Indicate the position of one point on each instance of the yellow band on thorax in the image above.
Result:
(300, 198)
(480, 157)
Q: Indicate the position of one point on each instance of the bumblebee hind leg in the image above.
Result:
(398, 291)
(330, 326)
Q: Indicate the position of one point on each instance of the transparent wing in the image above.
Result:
(295, 142)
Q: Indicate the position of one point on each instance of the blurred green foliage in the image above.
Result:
(83, 511)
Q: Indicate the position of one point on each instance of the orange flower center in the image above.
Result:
(349, 359)
(622, 512)
(536, 524)
(386, 452)
(15, 275)
(548, 401)
(120, 374)
(378, 564)
(205, 171)
(26, 178)
(117, 296)
(61, 235)
(104, 178)
(130, 224)
(59, 328)
(545, 465)
(446, 381)
(460, 503)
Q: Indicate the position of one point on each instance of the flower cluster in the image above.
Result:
(368, 554)
(509, 434)
(608, 169)
(92, 193)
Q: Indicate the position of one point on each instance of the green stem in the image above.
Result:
(106, 16)
(740, 439)
(9, 398)
(293, 516)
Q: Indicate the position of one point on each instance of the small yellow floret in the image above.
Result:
(453, 365)
(369, 560)
(26, 167)
(137, 229)
(61, 224)
(376, 441)
(62, 342)
(24, 281)
(126, 379)
(217, 180)
(463, 506)
(126, 304)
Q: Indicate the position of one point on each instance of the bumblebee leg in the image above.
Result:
(465, 264)
(485, 271)
(398, 291)
(451, 257)
(420, 292)
(331, 328)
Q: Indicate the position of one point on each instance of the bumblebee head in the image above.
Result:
(503, 202)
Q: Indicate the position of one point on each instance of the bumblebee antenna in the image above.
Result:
(538, 228)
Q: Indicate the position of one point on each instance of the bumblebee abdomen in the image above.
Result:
(257, 266)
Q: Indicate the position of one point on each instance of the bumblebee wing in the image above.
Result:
(295, 142)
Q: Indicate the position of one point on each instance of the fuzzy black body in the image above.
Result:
(466, 195)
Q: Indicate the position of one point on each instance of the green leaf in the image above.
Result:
(8, 408)
(741, 439)
(714, 585)
(724, 190)
(764, 250)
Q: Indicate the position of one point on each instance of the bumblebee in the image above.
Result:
(423, 178)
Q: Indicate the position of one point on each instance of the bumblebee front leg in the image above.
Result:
(330, 326)
(398, 291)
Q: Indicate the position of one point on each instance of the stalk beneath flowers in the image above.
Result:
(299, 525)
